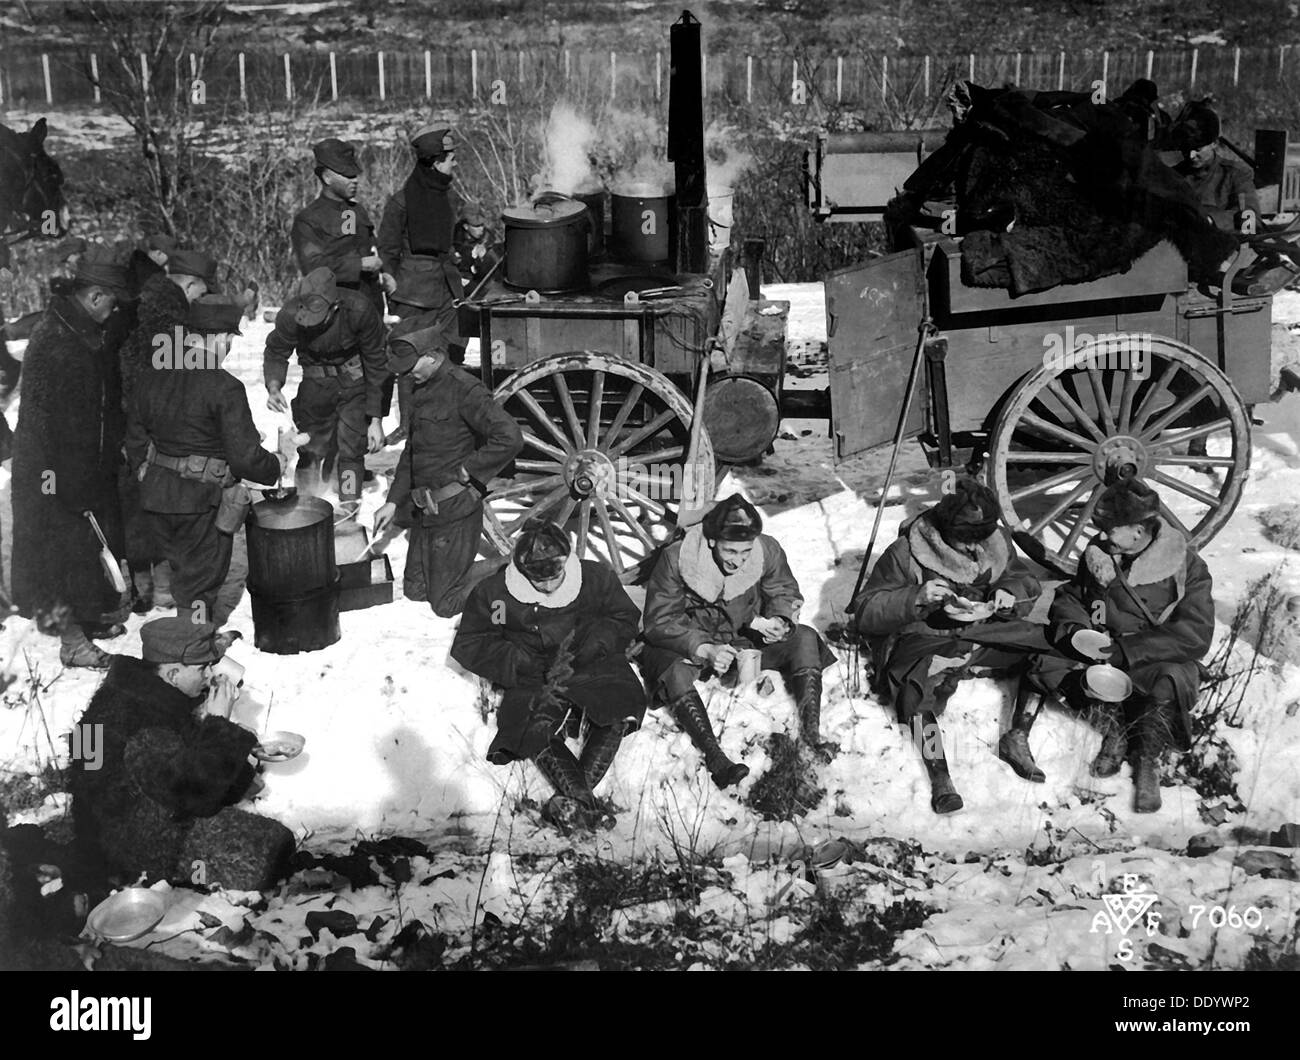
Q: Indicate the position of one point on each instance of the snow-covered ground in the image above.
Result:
(396, 744)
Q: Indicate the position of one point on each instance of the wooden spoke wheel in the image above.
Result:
(1178, 424)
(605, 456)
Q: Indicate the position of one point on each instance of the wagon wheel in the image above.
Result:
(1182, 427)
(605, 450)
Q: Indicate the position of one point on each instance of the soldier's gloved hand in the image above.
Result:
(374, 437)
(383, 517)
(275, 399)
(770, 629)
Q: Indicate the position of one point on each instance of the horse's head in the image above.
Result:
(32, 184)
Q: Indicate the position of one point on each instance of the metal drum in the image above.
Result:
(292, 576)
(641, 216)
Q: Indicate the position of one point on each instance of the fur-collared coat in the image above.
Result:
(1159, 612)
(511, 634)
(161, 795)
(889, 607)
(67, 451)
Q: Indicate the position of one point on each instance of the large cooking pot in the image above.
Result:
(641, 216)
(594, 200)
(292, 576)
(546, 244)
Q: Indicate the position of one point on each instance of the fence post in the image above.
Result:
(794, 77)
(428, 75)
(1060, 74)
(288, 77)
(1281, 57)
(473, 72)
(144, 75)
(658, 76)
(1151, 58)
(1192, 80)
(1236, 64)
(566, 67)
(971, 77)
(381, 77)
(884, 77)
(749, 79)
(49, 89)
(839, 78)
(927, 67)
(520, 56)
(243, 84)
(1105, 71)
(94, 74)
(194, 67)
(927, 77)
(613, 74)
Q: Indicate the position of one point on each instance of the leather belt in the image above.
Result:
(426, 498)
(194, 467)
(329, 371)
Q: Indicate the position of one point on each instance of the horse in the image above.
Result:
(31, 189)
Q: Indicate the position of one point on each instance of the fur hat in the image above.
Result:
(541, 549)
(101, 266)
(1126, 503)
(968, 514)
(733, 519)
(1198, 127)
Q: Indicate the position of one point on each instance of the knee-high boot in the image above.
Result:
(1013, 747)
(694, 721)
(943, 795)
(1153, 737)
(1109, 719)
(806, 687)
(573, 804)
(598, 751)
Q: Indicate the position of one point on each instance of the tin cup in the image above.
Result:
(228, 668)
(748, 666)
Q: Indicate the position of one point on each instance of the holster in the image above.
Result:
(233, 510)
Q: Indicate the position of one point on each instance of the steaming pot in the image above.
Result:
(641, 216)
(547, 244)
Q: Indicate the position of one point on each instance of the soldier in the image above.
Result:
(724, 587)
(460, 438)
(335, 231)
(67, 448)
(921, 650)
(190, 440)
(1224, 186)
(553, 631)
(1143, 586)
(476, 252)
(417, 247)
(339, 340)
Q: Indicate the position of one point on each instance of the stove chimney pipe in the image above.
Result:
(690, 237)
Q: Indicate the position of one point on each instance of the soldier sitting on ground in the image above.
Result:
(1142, 585)
(953, 552)
(723, 588)
(553, 631)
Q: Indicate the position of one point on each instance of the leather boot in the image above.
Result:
(1013, 747)
(943, 795)
(76, 649)
(694, 721)
(1109, 719)
(1153, 738)
(598, 751)
(806, 687)
(573, 805)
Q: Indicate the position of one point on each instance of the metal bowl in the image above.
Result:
(977, 613)
(279, 746)
(127, 915)
(1107, 683)
(1090, 641)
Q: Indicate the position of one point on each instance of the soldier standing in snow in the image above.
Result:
(724, 587)
(339, 340)
(552, 631)
(190, 439)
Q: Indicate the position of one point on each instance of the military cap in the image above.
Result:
(316, 295)
(193, 263)
(179, 639)
(733, 519)
(412, 339)
(103, 267)
(968, 514)
(339, 156)
(215, 314)
(1126, 502)
(541, 550)
(1198, 127)
(433, 141)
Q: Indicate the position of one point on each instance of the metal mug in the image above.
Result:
(749, 665)
(228, 668)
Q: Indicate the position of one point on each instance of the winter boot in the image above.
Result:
(142, 584)
(806, 687)
(1109, 719)
(598, 751)
(77, 650)
(694, 721)
(1153, 738)
(1013, 747)
(943, 795)
(574, 805)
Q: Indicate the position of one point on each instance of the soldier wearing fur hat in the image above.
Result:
(1141, 584)
(67, 448)
(552, 631)
(417, 244)
(172, 765)
(460, 439)
(190, 439)
(1224, 185)
(724, 587)
(956, 554)
(339, 339)
(335, 231)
